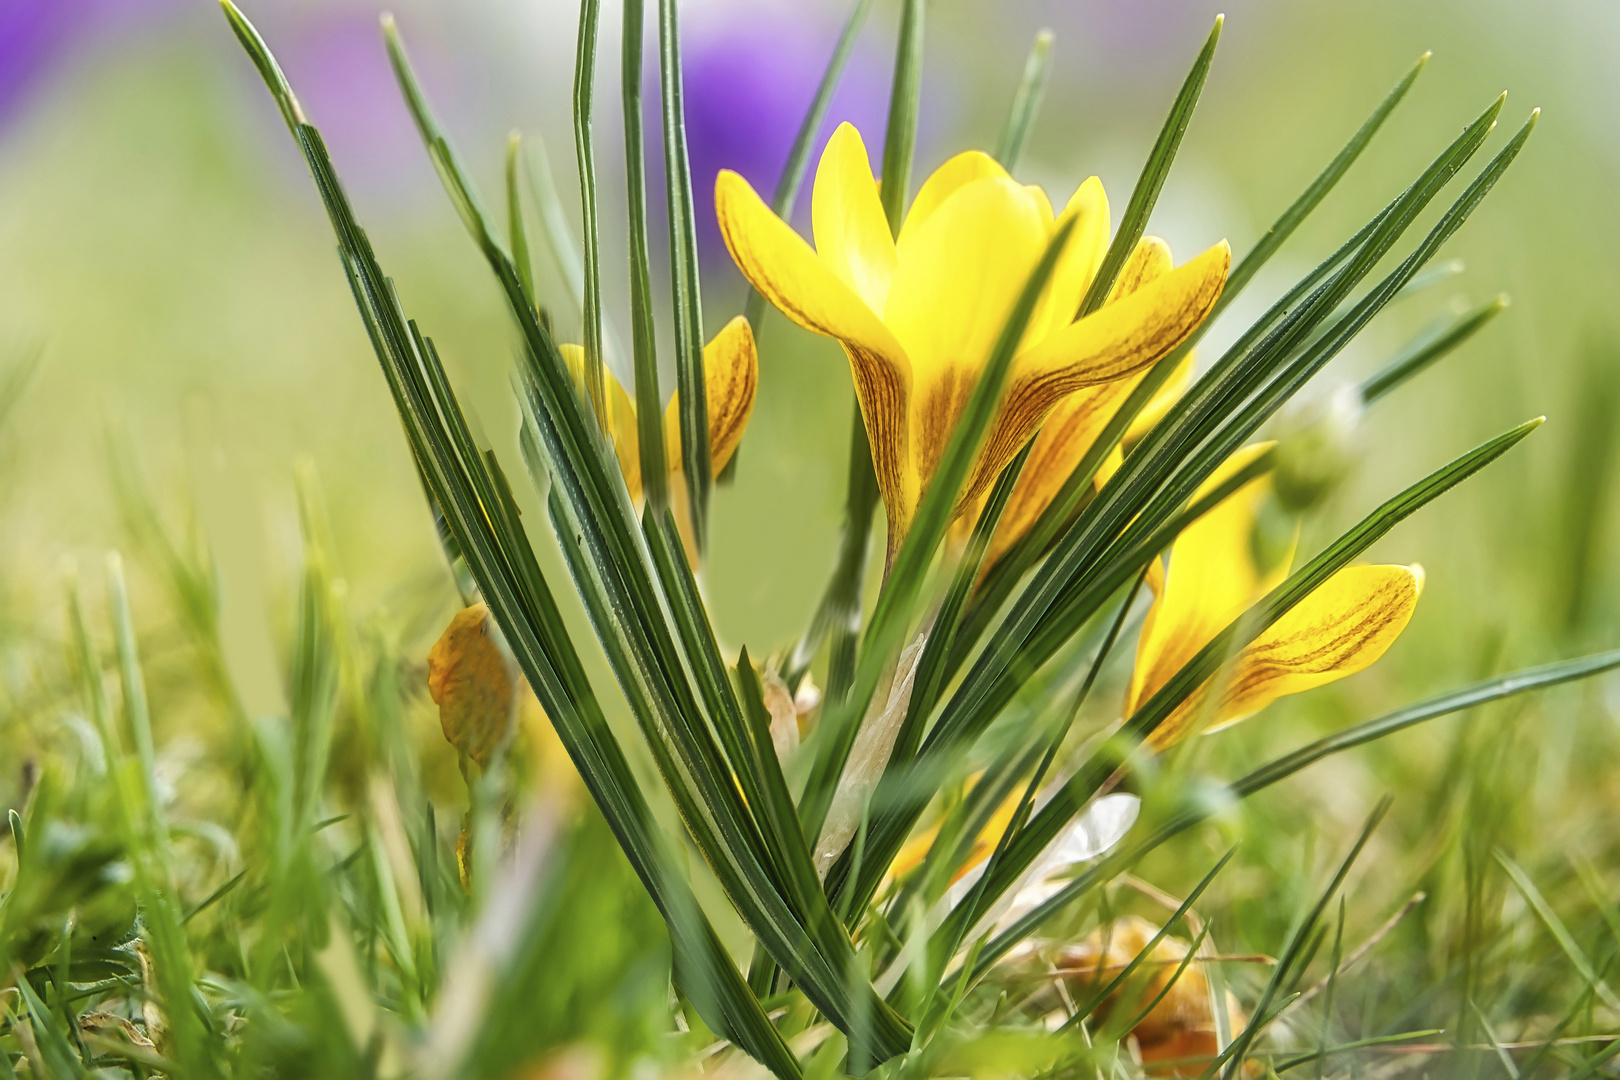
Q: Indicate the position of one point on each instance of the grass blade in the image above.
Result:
(1147, 950)
(518, 595)
(643, 336)
(931, 667)
(1273, 772)
(1289, 961)
(612, 566)
(1026, 103)
(1426, 350)
(1555, 926)
(137, 716)
(1151, 181)
(687, 300)
(565, 254)
(517, 233)
(905, 94)
(1323, 1053)
(585, 151)
(1313, 195)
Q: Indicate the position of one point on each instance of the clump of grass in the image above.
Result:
(299, 899)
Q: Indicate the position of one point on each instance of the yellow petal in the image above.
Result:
(959, 275)
(1129, 334)
(1149, 261)
(730, 375)
(851, 230)
(1211, 580)
(1078, 264)
(778, 263)
(621, 416)
(1110, 465)
(1343, 627)
(1067, 435)
(1077, 420)
(916, 849)
(914, 852)
(957, 173)
(1119, 340)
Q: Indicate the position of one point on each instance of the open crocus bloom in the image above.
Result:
(1339, 629)
(730, 375)
(918, 314)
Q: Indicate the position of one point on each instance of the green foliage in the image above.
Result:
(343, 924)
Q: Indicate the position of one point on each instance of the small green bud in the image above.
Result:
(1272, 539)
(1318, 444)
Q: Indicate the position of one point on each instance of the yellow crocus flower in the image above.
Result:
(918, 314)
(1342, 627)
(730, 375)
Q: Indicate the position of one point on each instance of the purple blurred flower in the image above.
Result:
(748, 81)
(37, 35)
(337, 62)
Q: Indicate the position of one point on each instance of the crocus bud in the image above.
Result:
(471, 679)
(1177, 1035)
(1318, 443)
(784, 715)
(1273, 535)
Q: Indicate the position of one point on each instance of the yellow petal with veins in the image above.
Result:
(1068, 433)
(1150, 261)
(1341, 628)
(731, 376)
(959, 276)
(1118, 340)
(1076, 421)
(778, 263)
(621, 416)
(1211, 580)
(1078, 264)
(1132, 332)
(852, 233)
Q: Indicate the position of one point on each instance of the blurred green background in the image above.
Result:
(163, 247)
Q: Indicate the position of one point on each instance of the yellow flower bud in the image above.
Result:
(471, 679)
